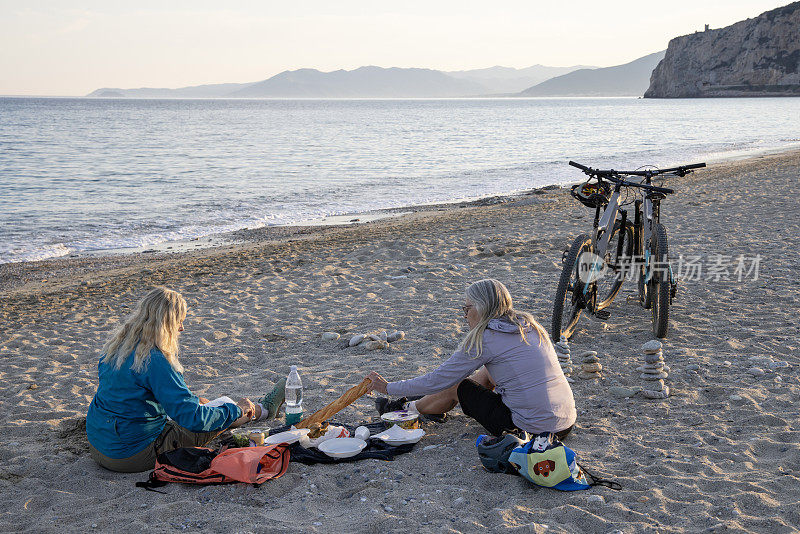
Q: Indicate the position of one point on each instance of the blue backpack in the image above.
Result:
(543, 460)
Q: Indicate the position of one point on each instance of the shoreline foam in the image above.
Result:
(226, 237)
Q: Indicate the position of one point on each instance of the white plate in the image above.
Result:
(290, 436)
(342, 447)
(400, 436)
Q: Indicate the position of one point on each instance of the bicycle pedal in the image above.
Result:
(602, 314)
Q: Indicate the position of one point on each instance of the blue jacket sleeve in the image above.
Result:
(182, 405)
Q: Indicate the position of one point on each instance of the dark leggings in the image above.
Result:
(487, 408)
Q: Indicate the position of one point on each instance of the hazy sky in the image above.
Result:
(71, 48)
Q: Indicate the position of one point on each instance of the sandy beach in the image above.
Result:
(722, 453)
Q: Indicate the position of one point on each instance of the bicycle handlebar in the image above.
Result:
(636, 184)
(584, 168)
(613, 175)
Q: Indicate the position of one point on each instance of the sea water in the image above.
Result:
(80, 175)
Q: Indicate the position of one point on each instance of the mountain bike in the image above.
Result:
(597, 264)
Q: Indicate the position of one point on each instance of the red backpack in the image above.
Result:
(197, 465)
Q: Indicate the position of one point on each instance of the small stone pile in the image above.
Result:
(654, 371)
(377, 341)
(564, 359)
(590, 365)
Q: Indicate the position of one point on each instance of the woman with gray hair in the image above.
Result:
(519, 384)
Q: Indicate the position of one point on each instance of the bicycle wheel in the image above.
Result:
(659, 281)
(568, 300)
(610, 284)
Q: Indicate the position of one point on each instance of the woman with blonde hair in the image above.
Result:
(141, 384)
(519, 384)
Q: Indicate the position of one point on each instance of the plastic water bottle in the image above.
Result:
(294, 397)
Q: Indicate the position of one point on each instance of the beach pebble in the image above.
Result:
(653, 358)
(588, 354)
(652, 368)
(588, 376)
(778, 364)
(622, 392)
(330, 336)
(656, 394)
(648, 376)
(652, 346)
(429, 447)
(756, 371)
(726, 363)
(375, 345)
(396, 335)
(596, 499)
(356, 339)
(592, 367)
(760, 360)
(692, 367)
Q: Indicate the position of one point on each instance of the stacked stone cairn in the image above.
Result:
(564, 359)
(590, 365)
(654, 371)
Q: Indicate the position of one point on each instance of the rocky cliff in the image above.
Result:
(754, 57)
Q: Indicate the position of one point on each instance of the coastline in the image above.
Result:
(12, 274)
(721, 453)
(498, 165)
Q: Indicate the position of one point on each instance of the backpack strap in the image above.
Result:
(152, 483)
(594, 480)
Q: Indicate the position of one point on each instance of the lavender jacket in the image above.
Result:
(528, 377)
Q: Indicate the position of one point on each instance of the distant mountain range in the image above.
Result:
(630, 79)
(377, 82)
(508, 80)
(364, 82)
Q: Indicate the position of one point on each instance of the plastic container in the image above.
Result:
(294, 397)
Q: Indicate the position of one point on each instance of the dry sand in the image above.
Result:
(694, 462)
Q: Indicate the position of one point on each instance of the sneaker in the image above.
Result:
(434, 417)
(273, 400)
(383, 405)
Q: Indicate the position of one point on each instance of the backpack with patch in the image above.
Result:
(543, 460)
(198, 465)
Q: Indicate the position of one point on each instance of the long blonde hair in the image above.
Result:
(153, 324)
(493, 301)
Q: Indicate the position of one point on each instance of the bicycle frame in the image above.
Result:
(605, 224)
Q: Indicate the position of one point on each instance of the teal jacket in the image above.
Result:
(130, 409)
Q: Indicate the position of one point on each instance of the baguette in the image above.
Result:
(349, 397)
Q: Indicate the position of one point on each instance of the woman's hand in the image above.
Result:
(378, 383)
(248, 408)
